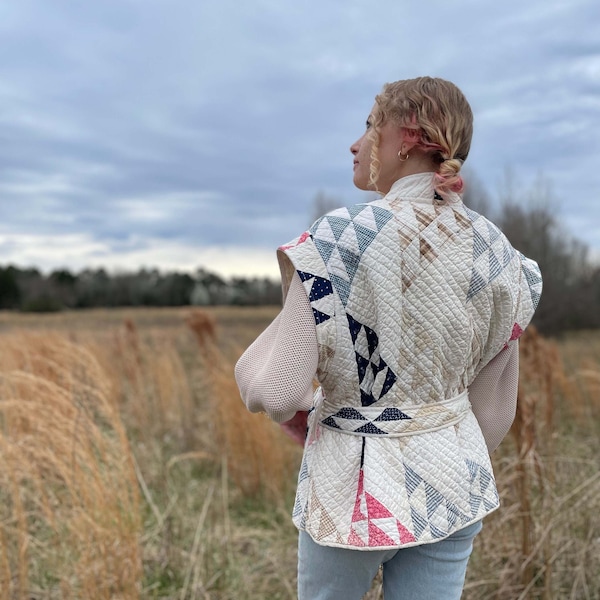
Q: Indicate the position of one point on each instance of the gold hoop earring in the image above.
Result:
(400, 156)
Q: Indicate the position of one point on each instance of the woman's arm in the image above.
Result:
(493, 395)
(275, 374)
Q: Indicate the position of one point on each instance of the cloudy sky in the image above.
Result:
(196, 133)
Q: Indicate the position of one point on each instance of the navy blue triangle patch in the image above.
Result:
(319, 316)
(330, 421)
(372, 340)
(370, 428)
(362, 364)
(354, 326)
(366, 398)
(392, 414)
(390, 380)
(304, 276)
(320, 288)
(349, 413)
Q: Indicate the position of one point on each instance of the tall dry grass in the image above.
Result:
(258, 456)
(69, 507)
(200, 491)
(544, 542)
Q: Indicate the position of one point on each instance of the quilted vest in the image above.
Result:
(411, 297)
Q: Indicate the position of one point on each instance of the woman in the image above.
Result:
(407, 310)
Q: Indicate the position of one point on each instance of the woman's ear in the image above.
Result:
(410, 136)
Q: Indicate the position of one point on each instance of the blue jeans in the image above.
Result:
(428, 572)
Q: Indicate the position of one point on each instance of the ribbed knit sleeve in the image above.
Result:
(275, 374)
(493, 395)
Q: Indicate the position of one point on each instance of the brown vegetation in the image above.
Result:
(69, 507)
(130, 468)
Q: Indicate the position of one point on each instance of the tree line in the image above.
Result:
(528, 216)
(31, 291)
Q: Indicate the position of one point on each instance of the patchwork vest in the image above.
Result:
(411, 297)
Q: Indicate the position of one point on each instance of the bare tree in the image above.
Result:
(475, 196)
(322, 204)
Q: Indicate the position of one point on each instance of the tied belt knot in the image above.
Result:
(396, 421)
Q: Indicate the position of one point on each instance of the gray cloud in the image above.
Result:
(213, 125)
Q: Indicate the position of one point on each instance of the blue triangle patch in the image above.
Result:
(356, 209)
(480, 244)
(342, 287)
(366, 398)
(338, 226)
(372, 340)
(382, 216)
(477, 284)
(364, 236)
(419, 522)
(325, 248)
(330, 422)
(351, 261)
(412, 480)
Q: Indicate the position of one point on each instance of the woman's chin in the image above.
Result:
(361, 184)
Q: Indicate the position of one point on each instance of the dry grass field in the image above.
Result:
(130, 469)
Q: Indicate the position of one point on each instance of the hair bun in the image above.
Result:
(447, 179)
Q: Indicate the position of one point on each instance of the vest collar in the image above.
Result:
(414, 188)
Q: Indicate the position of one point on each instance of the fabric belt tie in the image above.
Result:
(397, 422)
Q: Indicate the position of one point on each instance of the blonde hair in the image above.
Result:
(438, 110)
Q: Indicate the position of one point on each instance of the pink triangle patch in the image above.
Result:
(377, 537)
(517, 332)
(357, 515)
(405, 535)
(375, 509)
(354, 539)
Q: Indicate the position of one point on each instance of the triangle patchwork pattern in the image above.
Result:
(429, 506)
(533, 277)
(317, 289)
(482, 489)
(342, 237)
(373, 524)
(491, 254)
(374, 375)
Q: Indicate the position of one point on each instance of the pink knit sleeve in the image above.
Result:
(493, 395)
(275, 374)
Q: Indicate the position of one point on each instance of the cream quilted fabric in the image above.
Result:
(411, 297)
